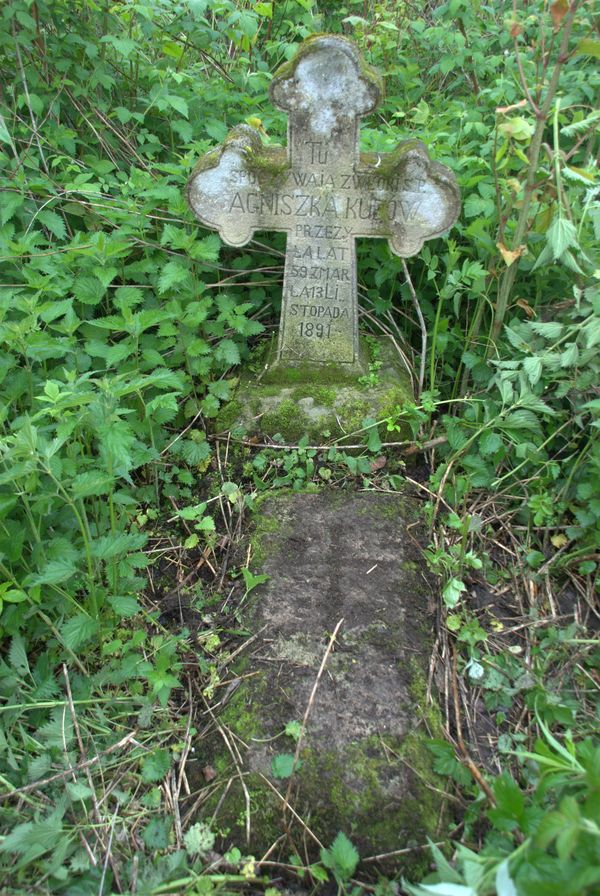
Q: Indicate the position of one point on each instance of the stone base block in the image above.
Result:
(323, 402)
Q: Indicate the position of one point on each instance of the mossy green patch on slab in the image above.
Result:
(321, 402)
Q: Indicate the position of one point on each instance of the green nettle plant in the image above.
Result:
(122, 326)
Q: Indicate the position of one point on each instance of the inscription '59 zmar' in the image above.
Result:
(323, 193)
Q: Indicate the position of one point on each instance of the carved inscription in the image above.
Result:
(324, 196)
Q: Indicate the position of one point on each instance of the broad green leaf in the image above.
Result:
(264, 9)
(89, 290)
(227, 352)
(561, 235)
(17, 654)
(77, 790)
(92, 482)
(208, 248)
(282, 765)
(124, 606)
(589, 47)
(549, 329)
(489, 442)
(179, 104)
(38, 837)
(54, 572)
(5, 137)
(533, 368)
(109, 546)
(53, 222)
(156, 765)
(252, 580)
(78, 630)
(173, 272)
(294, 729)
(373, 440)
(11, 201)
(341, 858)
(452, 592)
(517, 127)
(444, 889)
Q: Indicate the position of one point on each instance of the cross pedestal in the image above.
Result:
(323, 192)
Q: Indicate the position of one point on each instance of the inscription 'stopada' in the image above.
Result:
(324, 193)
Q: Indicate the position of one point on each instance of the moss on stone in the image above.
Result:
(264, 527)
(287, 419)
(322, 394)
(320, 401)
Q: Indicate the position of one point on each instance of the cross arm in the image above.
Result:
(413, 199)
(233, 188)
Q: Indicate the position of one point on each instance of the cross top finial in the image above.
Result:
(326, 88)
(324, 193)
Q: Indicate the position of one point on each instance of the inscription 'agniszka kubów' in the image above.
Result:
(323, 193)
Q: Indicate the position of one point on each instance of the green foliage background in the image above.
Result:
(122, 323)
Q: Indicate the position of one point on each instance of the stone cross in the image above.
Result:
(323, 192)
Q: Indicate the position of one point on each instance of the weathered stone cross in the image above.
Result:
(324, 193)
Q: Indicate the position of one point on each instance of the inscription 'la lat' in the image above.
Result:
(324, 193)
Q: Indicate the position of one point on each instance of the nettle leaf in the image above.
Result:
(221, 389)
(550, 329)
(125, 605)
(53, 222)
(570, 356)
(561, 235)
(227, 352)
(53, 572)
(216, 129)
(128, 296)
(109, 546)
(156, 833)
(179, 104)
(155, 766)
(163, 408)
(342, 857)
(282, 766)
(173, 272)
(184, 130)
(17, 655)
(78, 630)
(123, 46)
(533, 368)
(11, 201)
(93, 482)
(192, 451)
(490, 442)
(208, 248)
(89, 290)
(35, 837)
(58, 732)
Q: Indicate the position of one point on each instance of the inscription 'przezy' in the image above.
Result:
(324, 193)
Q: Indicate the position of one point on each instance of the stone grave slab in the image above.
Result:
(365, 767)
(324, 193)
